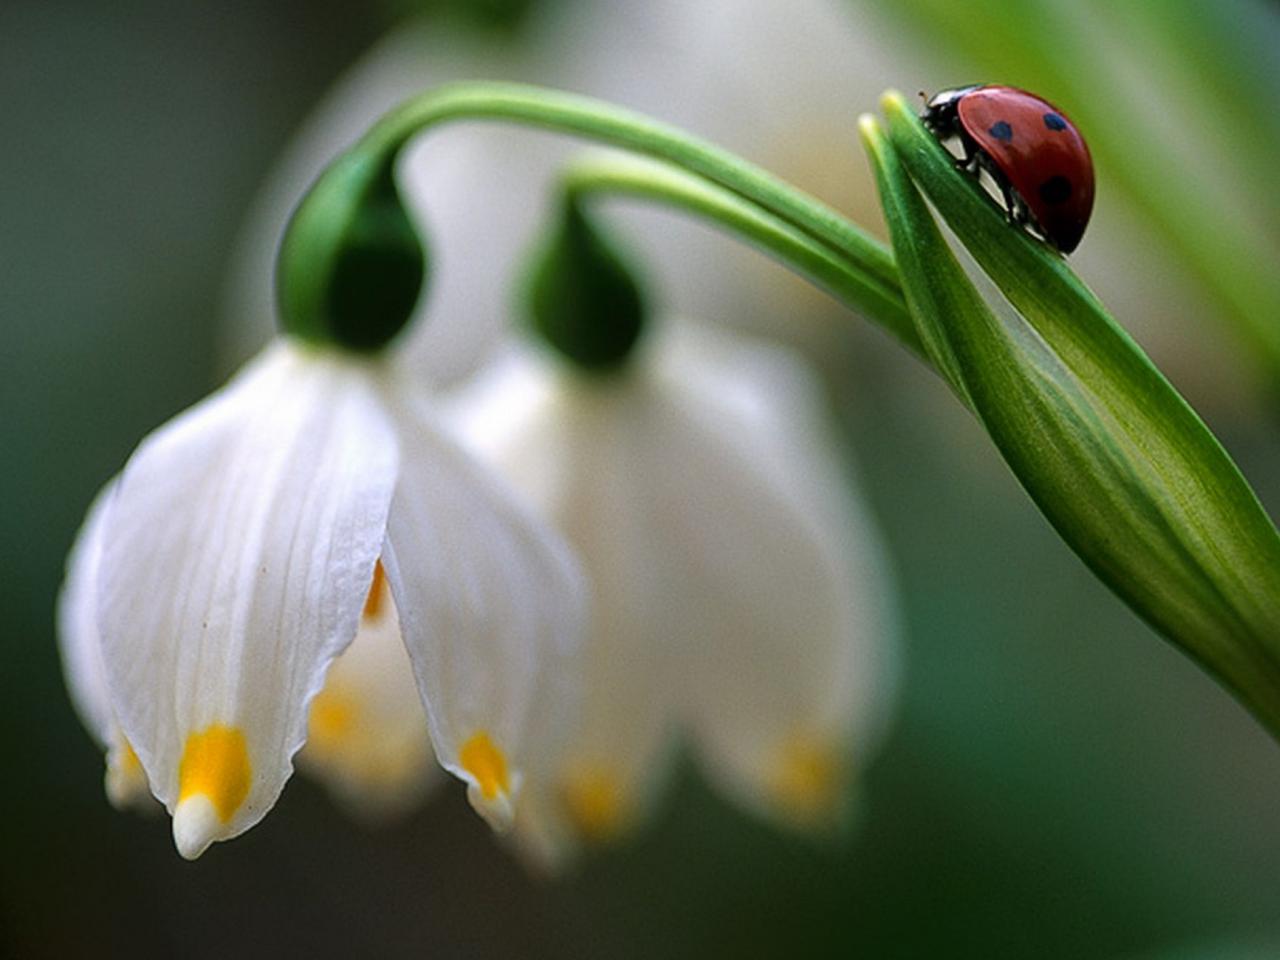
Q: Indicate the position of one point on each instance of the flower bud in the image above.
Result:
(581, 296)
(351, 265)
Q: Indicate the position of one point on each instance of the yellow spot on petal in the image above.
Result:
(596, 804)
(125, 780)
(481, 758)
(130, 765)
(377, 762)
(808, 779)
(378, 593)
(215, 764)
(331, 721)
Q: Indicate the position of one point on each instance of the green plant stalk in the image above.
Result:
(627, 176)
(612, 125)
(1113, 456)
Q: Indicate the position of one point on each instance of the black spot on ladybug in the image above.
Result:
(1055, 190)
(1054, 122)
(1001, 131)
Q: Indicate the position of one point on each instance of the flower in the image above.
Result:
(218, 577)
(366, 733)
(739, 594)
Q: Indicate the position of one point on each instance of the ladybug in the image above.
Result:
(1031, 150)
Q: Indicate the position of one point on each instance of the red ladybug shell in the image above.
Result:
(1040, 152)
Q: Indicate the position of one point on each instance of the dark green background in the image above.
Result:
(1059, 782)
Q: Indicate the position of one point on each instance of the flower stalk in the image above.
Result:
(870, 280)
(622, 176)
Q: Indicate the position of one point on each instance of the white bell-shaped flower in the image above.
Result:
(230, 563)
(740, 596)
(367, 734)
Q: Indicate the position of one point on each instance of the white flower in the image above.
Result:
(367, 735)
(228, 565)
(739, 595)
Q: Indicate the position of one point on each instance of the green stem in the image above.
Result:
(661, 183)
(606, 123)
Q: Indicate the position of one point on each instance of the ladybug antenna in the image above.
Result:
(923, 96)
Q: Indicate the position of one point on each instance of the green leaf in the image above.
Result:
(1117, 461)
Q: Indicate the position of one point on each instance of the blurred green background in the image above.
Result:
(1058, 782)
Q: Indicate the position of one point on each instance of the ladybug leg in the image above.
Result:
(1012, 202)
(1023, 215)
(1013, 209)
(972, 158)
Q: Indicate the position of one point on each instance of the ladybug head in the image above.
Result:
(948, 98)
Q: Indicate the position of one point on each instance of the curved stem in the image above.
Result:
(606, 123)
(662, 183)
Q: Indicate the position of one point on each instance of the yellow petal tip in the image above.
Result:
(196, 824)
(489, 784)
(596, 804)
(498, 811)
(808, 781)
(376, 602)
(125, 780)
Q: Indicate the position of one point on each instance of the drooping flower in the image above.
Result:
(739, 593)
(367, 735)
(218, 577)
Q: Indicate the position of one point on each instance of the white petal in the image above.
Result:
(731, 568)
(78, 625)
(236, 558)
(771, 402)
(578, 451)
(81, 649)
(544, 837)
(491, 606)
(367, 736)
(786, 632)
